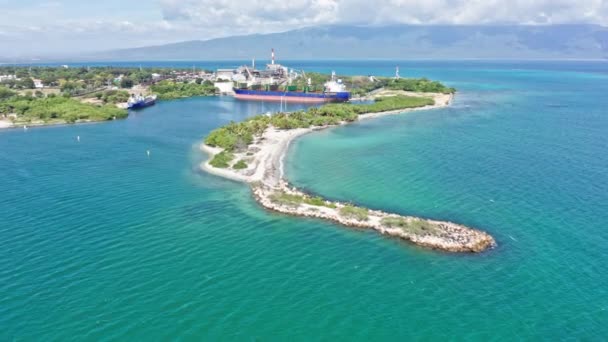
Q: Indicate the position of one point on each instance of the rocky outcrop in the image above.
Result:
(440, 235)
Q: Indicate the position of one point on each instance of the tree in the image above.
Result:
(22, 73)
(48, 79)
(69, 86)
(27, 83)
(126, 82)
(9, 83)
(5, 93)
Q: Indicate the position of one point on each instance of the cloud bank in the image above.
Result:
(58, 26)
(268, 14)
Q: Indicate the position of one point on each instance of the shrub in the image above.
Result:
(319, 202)
(222, 160)
(284, 198)
(241, 164)
(57, 107)
(173, 90)
(412, 225)
(352, 212)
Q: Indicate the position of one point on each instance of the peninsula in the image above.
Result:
(253, 151)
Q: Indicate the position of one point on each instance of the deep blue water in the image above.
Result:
(100, 242)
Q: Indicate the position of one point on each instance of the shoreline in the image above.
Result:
(265, 174)
(7, 125)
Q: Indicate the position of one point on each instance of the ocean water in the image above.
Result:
(98, 241)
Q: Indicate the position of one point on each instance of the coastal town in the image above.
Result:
(39, 95)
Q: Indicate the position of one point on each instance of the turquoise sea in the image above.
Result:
(98, 241)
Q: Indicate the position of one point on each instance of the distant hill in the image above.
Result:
(396, 41)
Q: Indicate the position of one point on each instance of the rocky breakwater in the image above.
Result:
(440, 235)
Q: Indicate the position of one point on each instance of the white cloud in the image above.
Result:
(277, 15)
(53, 26)
(225, 16)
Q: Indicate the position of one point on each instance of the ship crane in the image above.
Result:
(249, 73)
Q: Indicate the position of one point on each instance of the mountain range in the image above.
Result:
(388, 42)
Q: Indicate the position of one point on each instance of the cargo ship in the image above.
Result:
(275, 84)
(136, 102)
(291, 95)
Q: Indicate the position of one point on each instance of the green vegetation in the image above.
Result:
(361, 85)
(6, 93)
(241, 164)
(237, 136)
(56, 109)
(422, 85)
(283, 198)
(352, 212)
(126, 82)
(173, 90)
(111, 96)
(83, 77)
(222, 159)
(319, 202)
(84, 80)
(413, 225)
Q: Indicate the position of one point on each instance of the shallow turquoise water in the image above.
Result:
(100, 242)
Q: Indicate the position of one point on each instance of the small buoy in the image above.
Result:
(148, 152)
(78, 138)
(24, 127)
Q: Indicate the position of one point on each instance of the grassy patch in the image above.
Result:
(173, 90)
(284, 198)
(422, 85)
(319, 202)
(222, 159)
(414, 226)
(57, 108)
(349, 211)
(241, 164)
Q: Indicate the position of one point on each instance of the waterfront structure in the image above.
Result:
(275, 83)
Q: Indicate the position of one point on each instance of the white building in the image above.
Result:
(38, 83)
(8, 78)
(224, 74)
(224, 87)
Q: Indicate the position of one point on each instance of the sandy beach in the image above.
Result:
(5, 124)
(265, 172)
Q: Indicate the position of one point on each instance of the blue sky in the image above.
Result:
(43, 27)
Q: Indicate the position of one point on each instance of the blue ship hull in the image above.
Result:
(141, 104)
(290, 96)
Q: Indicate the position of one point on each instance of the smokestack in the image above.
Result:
(272, 55)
